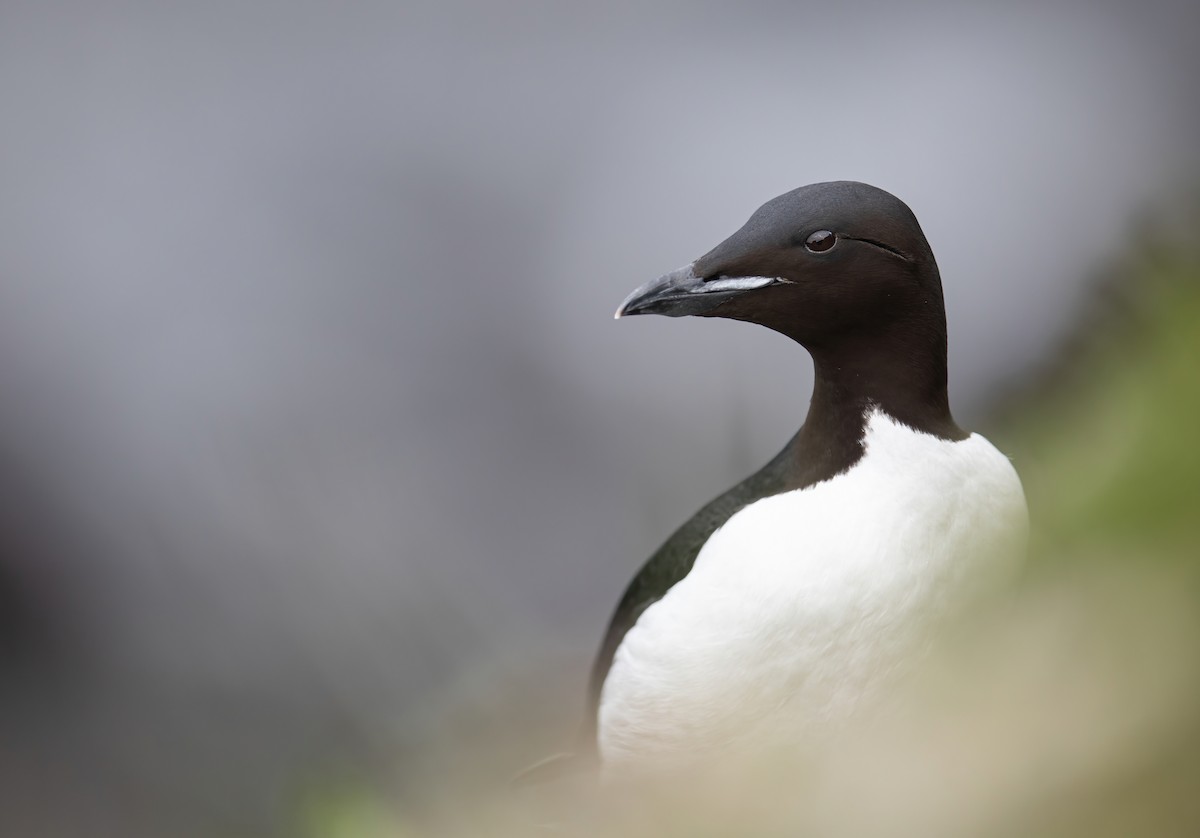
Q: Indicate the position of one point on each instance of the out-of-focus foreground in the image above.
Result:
(1071, 709)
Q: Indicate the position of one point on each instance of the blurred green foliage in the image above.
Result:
(1107, 441)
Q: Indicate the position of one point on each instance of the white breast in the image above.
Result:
(803, 604)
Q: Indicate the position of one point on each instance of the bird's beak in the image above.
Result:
(681, 293)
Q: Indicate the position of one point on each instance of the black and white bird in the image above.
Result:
(794, 597)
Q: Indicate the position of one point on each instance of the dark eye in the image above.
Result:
(820, 241)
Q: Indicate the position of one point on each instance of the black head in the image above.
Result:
(821, 264)
(844, 269)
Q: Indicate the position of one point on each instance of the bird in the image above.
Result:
(793, 599)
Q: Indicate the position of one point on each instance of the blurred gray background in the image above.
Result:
(311, 404)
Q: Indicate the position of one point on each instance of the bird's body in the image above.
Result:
(805, 604)
(796, 596)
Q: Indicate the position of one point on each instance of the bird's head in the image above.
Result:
(820, 264)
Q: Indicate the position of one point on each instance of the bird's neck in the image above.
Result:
(906, 379)
(904, 376)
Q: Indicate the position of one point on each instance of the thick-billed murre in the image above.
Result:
(789, 600)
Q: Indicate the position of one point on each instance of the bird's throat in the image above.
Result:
(904, 378)
(908, 383)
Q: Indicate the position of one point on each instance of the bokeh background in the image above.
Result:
(322, 461)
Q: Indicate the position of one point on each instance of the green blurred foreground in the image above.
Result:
(1072, 710)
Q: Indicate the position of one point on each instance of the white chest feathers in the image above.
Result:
(804, 604)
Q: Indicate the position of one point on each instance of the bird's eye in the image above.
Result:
(820, 241)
